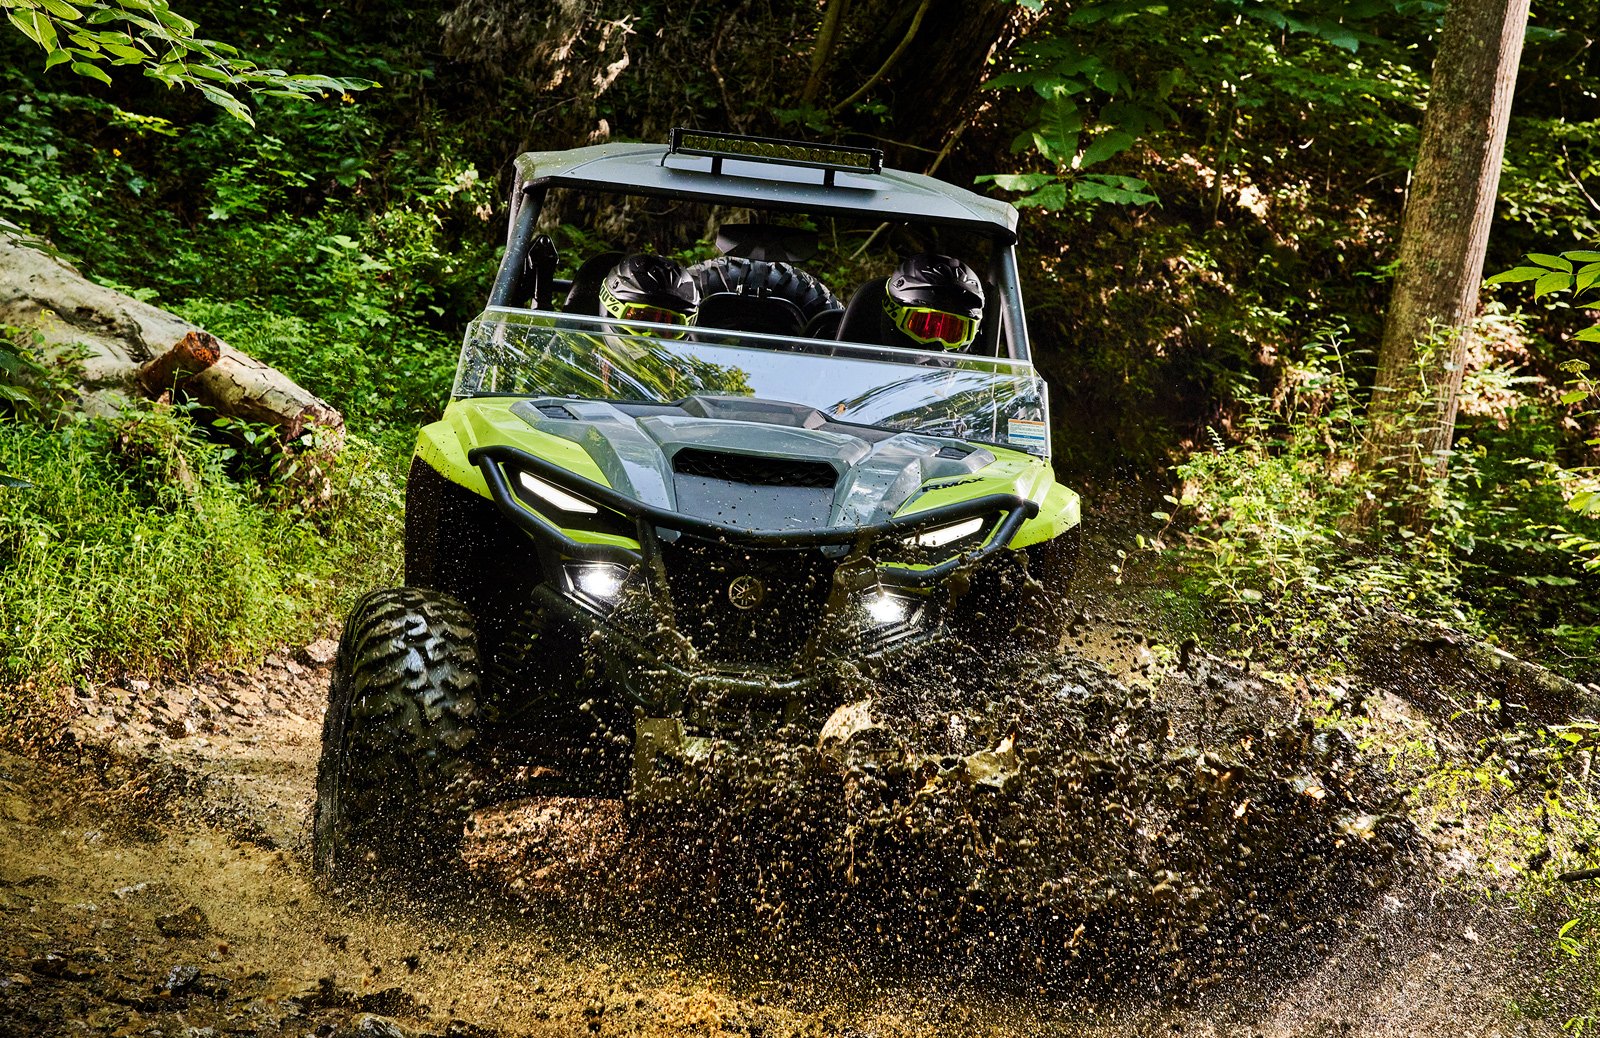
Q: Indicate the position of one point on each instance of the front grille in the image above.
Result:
(795, 585)
(754, 470)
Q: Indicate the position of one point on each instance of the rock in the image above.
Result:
(188, 921)
(180, 979)
(370, 1025)
(320, 653)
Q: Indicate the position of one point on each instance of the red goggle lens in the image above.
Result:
(936, 326)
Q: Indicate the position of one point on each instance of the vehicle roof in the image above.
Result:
(650, 169)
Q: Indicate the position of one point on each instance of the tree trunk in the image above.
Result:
(1442, 241)
(126, 348)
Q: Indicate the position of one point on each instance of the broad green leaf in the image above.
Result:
(126, 55)
(1052, 197)
(1515, 274)
(227, 102)
(1110, 143)
(1586, 277)
(35, 27)
(1116, 190)
(84, 68)
(64, 11)
(1583, 256)
(1544, 259)
(1587, 502)
(1019, 181)
(1589, 334)
(55, 58)
(1111, 81)
(1572, 396)
(1554, 281)
(214, 74)
(1056, 138)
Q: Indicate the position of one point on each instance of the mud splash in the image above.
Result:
(1069, 831)
(197, 793)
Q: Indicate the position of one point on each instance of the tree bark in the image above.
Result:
(827, 35)
(194, 353)
(1443, 236)
(126, 348)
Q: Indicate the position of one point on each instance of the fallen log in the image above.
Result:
(126, 348)
(194, 353)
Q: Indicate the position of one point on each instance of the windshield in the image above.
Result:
(535, 353)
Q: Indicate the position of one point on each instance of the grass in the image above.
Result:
(133, 551)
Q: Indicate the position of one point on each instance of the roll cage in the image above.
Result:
(770, 184)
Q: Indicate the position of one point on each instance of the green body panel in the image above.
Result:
(483, 421)
(488, 420)
(1012, 472)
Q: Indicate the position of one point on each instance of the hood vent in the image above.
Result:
(754, 470)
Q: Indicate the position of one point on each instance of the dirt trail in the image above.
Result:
(153, 880)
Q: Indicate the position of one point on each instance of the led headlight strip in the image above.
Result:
(939, 537)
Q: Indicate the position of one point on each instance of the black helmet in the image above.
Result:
(935, 300)
(643, 287)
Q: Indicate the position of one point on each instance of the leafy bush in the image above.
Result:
(1275, 530)
(130, 550)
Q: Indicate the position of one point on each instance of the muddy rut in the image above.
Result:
(154, 880)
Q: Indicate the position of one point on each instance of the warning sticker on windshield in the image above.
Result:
(1026, 433)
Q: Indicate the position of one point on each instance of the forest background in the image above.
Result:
(1211, 191)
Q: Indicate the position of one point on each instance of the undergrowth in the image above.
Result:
(1289, 538)
(157, 540)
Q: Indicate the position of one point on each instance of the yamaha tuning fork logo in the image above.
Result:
(746, 592)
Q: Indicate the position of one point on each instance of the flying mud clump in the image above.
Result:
(1060, 832)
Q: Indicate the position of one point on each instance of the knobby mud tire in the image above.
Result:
(1020, 600)
(400, 734)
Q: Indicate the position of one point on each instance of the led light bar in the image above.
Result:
(834, 158)
(948, 534)
(554, 495)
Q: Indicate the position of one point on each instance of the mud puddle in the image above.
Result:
(153, 880)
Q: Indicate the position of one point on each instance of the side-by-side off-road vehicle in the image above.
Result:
(629, 539)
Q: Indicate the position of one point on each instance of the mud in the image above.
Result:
(152, 880)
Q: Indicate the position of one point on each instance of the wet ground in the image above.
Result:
(154, 880)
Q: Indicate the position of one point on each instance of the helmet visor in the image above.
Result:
(624, 311)
(928, 326)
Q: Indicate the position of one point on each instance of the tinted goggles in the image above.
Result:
(928, 326)
(624, 311)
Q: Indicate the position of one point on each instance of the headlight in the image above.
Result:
(887, 609)
(554, 495)
(595, 584)
(564, 509)
(943, 535)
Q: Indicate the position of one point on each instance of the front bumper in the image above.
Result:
(673, 638)
(659, 672)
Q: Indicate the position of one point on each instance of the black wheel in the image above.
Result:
(1019, 597)
(1047, 601)
(399, 736)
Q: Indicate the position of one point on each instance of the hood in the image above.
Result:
(761, 465)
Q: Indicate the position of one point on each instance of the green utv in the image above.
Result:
(637, 531)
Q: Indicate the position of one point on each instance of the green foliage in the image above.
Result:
(166, 541)
(131, 550)
(1571, 279)
(1105, 77)
(89, 36)
(1268, 529)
